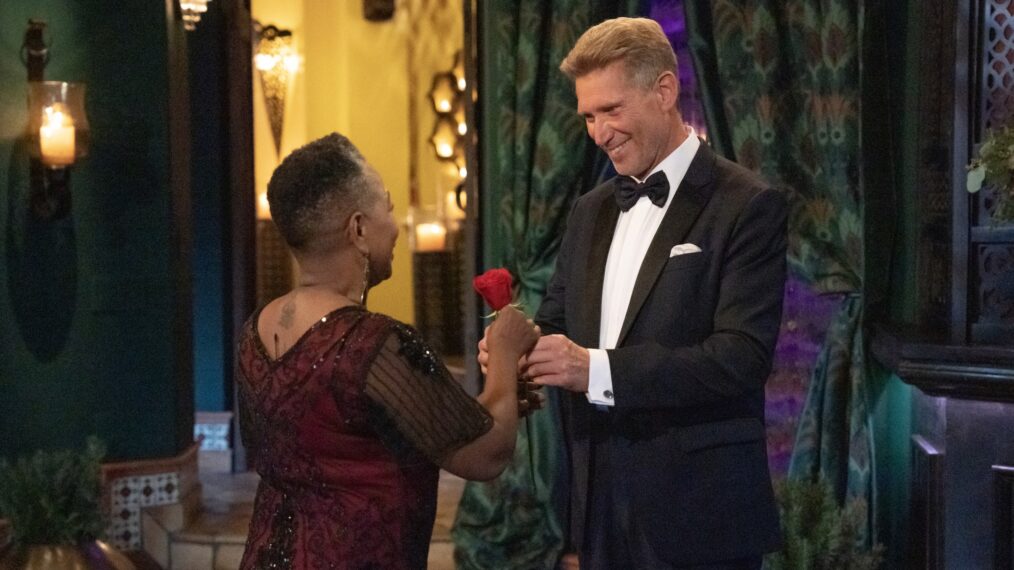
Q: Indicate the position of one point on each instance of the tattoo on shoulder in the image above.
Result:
(288, 312)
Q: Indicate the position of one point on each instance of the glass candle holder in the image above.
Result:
(57, 122)
(429, 232)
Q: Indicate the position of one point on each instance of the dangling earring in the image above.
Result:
(366, 278)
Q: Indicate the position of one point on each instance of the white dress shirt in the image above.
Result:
(635, 229)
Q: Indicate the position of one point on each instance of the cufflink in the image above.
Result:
(608, 394)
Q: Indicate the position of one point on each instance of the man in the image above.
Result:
(660, 321)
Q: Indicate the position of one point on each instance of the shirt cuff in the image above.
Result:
(600, 378)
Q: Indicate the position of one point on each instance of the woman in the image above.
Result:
(348, 415)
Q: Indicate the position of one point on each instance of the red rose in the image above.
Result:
(495, 287)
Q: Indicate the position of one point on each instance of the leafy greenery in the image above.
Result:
(820, 534)
(995, 167)
(54, 497)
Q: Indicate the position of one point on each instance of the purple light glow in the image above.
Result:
(669, 14)
(804, 325)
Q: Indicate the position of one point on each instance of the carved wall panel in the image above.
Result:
(990, 242)
(999, 62)
(995, 302)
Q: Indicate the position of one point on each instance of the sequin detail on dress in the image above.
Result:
(312, 436)
(278, 553)
(417, 352)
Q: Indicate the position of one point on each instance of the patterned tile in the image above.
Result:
(216, 436)
(128, 495)
(124, 529)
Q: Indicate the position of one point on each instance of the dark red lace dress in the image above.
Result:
(344, 429)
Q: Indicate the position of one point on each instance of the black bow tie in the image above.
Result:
(628, 190)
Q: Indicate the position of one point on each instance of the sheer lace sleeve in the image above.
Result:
(420, 398)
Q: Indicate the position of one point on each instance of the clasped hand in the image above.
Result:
(554, 361)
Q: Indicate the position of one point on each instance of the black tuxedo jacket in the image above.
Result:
(689, 369)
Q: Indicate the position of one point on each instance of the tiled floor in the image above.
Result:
(441, 547)
(228, 503)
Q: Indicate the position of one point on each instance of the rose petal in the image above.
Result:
(495, 287)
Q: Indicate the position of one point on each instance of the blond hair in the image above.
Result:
(639, 43)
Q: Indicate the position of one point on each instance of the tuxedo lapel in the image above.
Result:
(591, 298)
(693, 194)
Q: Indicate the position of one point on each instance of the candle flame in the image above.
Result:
(55, 118)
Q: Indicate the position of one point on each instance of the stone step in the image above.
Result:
(208, 531)
(214, 535)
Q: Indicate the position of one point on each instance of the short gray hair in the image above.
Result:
(639, 43)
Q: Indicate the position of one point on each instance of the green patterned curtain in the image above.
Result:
(781, 83)
(536, 159)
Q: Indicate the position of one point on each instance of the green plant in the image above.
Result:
(995, 167)
(820, 534)
(54, 497)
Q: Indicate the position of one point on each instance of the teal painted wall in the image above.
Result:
(87, 344)
(206, 47)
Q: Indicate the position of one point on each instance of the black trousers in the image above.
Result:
(613, 539)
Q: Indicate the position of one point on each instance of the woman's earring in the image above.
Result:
(366, 278)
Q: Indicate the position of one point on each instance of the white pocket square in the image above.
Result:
(683, 249)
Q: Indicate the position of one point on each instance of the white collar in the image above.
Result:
(678, 162)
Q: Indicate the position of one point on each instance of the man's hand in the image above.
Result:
(557, 361)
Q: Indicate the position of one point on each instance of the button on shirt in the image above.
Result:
(635, 229)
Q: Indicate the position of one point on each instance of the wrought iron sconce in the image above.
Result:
(191, 12)
(448, 97)
(58, 132)
(277, 62)
(378, 10)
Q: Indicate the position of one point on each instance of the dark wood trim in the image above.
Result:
(877, 147)
(926, 549)
(990, 234)
(1003, 522)
(940, 368)
(180, 226)
(1003, 526)
(472, 259)
(241, 244)
(963, 108)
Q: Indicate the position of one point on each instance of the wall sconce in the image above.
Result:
(276, 62)
(378, 10)
(459, 71)
(459, 160)
(191, 12)
(444, 137)
(444, 92)
(58, 130)
(447, 95)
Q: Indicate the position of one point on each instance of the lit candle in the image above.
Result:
(56, 138)
(430, 237)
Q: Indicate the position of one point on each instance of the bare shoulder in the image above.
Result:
(276, 312)
(284, 320)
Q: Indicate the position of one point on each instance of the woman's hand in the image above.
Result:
(512, 334)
